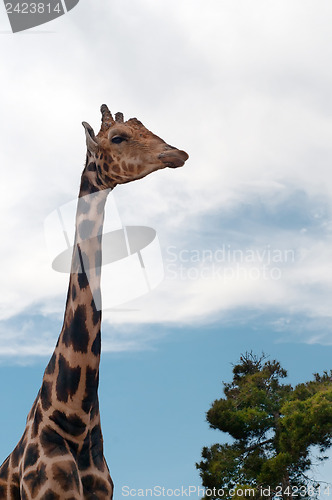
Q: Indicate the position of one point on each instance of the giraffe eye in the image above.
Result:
(117, 139)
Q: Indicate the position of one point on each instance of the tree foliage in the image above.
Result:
(274, 427)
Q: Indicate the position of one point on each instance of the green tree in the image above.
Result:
(274, 427)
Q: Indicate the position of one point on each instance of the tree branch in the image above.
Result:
(257, 445)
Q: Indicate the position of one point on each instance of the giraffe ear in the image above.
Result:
(91, 141)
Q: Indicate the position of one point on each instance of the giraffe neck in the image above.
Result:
(71, 378)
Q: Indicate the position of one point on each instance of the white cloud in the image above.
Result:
(244, 88)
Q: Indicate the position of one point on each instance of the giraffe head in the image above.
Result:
(124, 151)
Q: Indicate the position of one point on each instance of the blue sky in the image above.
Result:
(153, 402)
(244, 88)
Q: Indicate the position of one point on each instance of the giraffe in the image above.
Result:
(60, 454)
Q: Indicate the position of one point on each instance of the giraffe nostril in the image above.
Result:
(174, 158)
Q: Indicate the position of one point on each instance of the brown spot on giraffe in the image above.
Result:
(60, 455)
(116, 168)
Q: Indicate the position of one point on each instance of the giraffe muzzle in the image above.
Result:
(173, 158)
